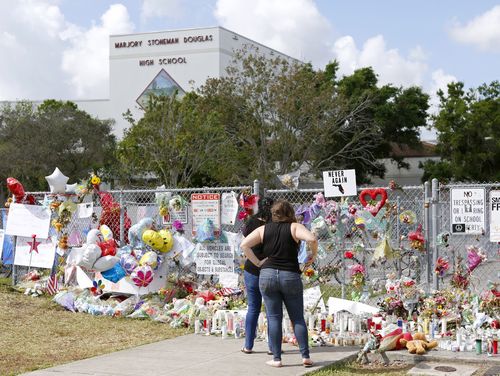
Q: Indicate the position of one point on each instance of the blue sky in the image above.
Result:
(58, 48)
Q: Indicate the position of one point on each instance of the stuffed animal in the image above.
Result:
(419, 345)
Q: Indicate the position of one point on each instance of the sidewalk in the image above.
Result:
(197, 355)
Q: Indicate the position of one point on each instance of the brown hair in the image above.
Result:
(282, 211)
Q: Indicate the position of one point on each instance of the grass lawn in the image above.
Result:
(348, 369)
(37, 333)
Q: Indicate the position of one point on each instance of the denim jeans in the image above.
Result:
(254, 299)
(278, 287)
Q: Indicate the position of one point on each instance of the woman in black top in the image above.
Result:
(280, 281)
(251, 274)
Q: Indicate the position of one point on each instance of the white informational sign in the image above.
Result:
(467, 211)
(85, 210)
(229, 208)
(340, 183)
(312, 297)
(28, 220)
(205, 206)
(41, 257)
(495, 216)
(176, 215)
(2, 235)
(214, 258)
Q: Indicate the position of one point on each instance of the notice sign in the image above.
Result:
(467, 211)
(339, 183)
(495, 216)
(214, 259)
(206, 206)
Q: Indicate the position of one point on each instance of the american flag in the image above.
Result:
(227, 291)
(52, 285)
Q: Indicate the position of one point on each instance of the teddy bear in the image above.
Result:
(419, 345)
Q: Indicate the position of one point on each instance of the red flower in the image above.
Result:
(348, 254)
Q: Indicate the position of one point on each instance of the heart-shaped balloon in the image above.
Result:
(373, 193)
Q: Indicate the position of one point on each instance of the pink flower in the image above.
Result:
(178, 226)
(357, 268)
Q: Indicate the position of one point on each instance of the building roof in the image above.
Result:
(426, 149)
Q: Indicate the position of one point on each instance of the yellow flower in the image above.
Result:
(95, 180)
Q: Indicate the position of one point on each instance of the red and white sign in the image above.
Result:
(206, 206)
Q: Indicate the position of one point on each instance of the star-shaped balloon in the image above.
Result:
(57, 181)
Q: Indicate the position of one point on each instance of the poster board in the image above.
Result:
(494, 204)
(214, 258)
(229, 208)
(41, 258)
(340, 183)
(28, 220)
(312, 296)
(467, 210)
(205, 206)
(175, 215)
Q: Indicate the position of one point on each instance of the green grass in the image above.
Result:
(36, 333)
(348, 369)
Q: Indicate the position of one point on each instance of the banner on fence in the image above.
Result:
(495, 216)
(205, 206)
(214, 258)
(339, 183)
(468, 211)
(38, 255)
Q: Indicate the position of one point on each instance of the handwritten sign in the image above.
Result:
(28, 220)
(495, 216)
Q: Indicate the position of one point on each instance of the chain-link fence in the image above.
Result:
(463, 228)
(345, 240)
(350, 242)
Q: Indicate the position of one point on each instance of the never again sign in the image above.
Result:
(339, 183)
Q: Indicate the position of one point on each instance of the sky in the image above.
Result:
(59, 48)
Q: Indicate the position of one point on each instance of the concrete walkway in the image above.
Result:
(197, 355)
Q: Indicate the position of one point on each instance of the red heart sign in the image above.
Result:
(373, 193)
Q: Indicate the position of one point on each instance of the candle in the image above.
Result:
(197, 327)
(444, 323)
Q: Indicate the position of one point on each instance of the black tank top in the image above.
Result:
(280, 247)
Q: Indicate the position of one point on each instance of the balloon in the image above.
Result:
(114, 274)
(149, 258)
(105, 263)
(90, 254)
(135, 232)
(128, 263)
(168, 240)
(153, 239)
(142, 276)
(57, 181)
(16, 189)
(106, 232)
(108, 247)
(71, 188)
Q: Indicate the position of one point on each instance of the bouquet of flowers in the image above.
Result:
(358, 274)
(442, 265)
(475, 256)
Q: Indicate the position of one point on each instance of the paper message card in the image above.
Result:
(40, 256)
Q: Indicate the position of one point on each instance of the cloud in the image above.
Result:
(482, 31)
(295, 27)
(86, 61)
(161, 8)
(389, 64)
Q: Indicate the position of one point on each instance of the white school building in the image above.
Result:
(160, 62)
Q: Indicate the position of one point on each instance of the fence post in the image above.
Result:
(427, 235)
(434, 232)
(122, 220)
(256, 187)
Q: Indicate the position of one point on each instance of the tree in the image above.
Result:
(178, 142)
(396, 114)
(283, 115)
(468, 126)
(35, 140)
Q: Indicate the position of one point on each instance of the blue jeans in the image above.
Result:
(254, 300)
(278, 287)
